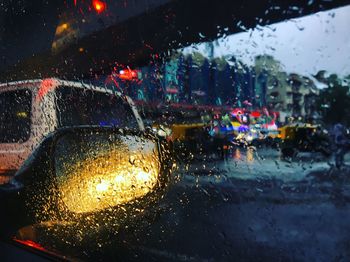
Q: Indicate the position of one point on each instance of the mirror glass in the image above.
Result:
(99, 170)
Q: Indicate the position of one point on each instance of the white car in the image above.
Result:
(30, 110)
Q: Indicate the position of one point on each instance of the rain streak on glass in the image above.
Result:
(176, 130)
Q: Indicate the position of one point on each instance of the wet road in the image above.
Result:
(251, 207)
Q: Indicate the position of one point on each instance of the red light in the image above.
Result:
(128, 74)
(255, 114)
(99, 6)
(45, 87)
(30, 243)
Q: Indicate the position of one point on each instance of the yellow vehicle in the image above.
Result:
(291, 131)
(184, 132)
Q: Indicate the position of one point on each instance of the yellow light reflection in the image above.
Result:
(108, 180)
(143, 177)
(102, 187)
(61, 28)
(250, 155)
(22, 114)
(119, 179)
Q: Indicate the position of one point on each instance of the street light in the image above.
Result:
(99, 6)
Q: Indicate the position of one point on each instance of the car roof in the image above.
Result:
(59, 82)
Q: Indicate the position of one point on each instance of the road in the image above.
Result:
(250, 207)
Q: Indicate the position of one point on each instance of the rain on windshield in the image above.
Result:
(175, 130)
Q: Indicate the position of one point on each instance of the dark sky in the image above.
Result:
(26, 27)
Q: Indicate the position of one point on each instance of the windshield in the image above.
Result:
(245, 154)
(15, 116)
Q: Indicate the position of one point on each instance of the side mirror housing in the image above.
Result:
(94, 172)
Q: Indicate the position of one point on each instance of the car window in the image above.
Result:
(15, 116)
(76, 106)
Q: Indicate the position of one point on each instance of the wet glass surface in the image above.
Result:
(245, 151)
(15, 113)
(84, 107)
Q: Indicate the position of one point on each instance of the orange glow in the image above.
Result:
(4, 179)
(99, 6)
(237, 154)
(62, 28)
(30, 243)
(127, 74)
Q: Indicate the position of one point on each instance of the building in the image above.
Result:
(290, 94)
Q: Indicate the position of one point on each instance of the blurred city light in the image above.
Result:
(99, 6)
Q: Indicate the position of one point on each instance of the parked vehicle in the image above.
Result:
(30, 110)
(85, 174)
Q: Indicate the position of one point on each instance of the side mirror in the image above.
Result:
(84, 171)
(99, 169)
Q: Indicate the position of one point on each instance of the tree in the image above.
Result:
(205, 71)
(212, 92)
(334, 101)
(224, 85)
